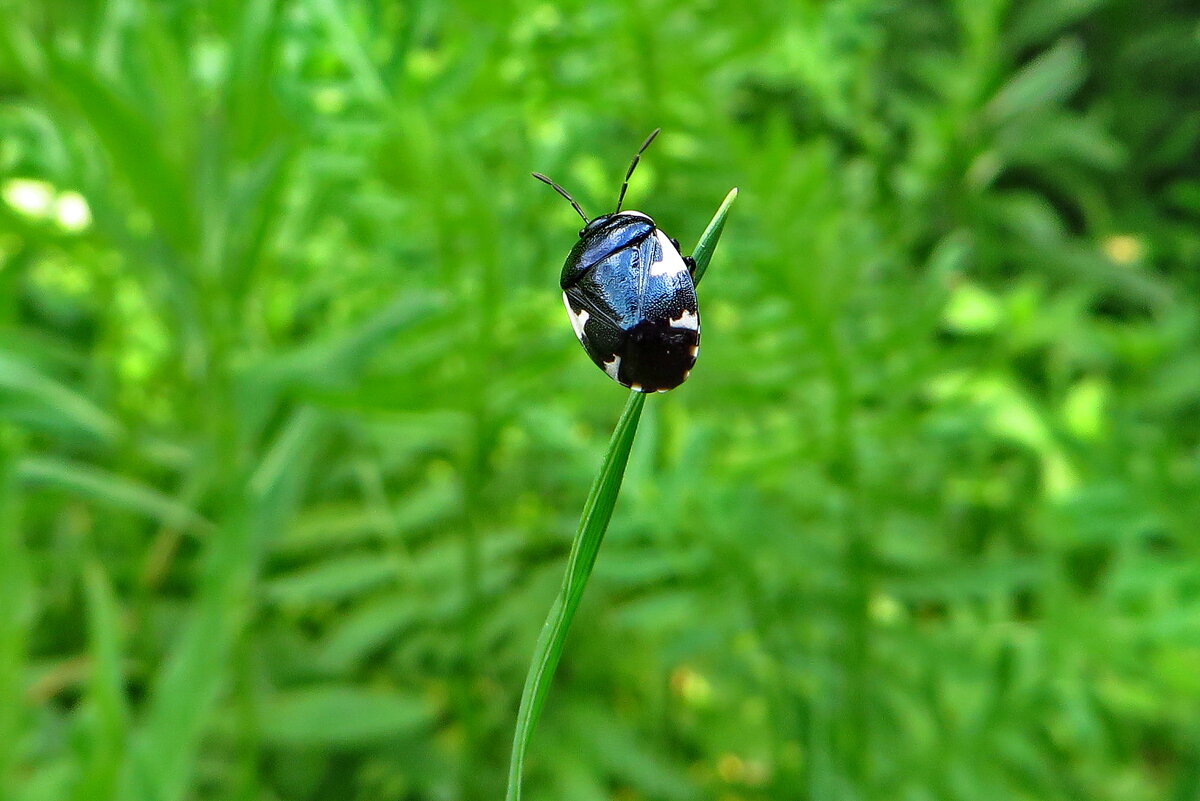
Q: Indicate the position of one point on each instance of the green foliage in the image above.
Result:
(293, 431)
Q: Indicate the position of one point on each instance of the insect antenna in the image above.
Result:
(636, 158)
(562, 192)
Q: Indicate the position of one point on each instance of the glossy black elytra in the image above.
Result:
(630, 296)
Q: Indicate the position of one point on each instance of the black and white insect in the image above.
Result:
(630, 295)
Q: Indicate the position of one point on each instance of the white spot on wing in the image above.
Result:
(669, 262)
(611, 367)
(577, 320)
(686, 320)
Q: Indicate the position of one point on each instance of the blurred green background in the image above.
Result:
(294, 432)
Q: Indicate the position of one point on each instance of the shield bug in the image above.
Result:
(630, 295)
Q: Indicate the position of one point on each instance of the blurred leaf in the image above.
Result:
(1050, 78)
(950, 584)
(612, 744)
(106, 691)
(63, 407)
(331, 580)
(352, 51)
(421, 509)
(369, 628)
(336, 361)
(133, 143)
(972, 309)
(94, 484)
(196, 668)
(341, 716)
(1037, 20)
(16, 599)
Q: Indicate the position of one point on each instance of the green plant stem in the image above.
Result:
(597, 511)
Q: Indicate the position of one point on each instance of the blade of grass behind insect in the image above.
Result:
(597, 511)
(708, 240)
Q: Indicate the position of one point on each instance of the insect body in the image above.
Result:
(630, 296)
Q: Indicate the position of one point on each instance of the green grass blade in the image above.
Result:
(189, 682)
(597, 511)
(17, 601)
(109, 726)
(62, 407)
(708, 240)
(341, 715)
(117, 491)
